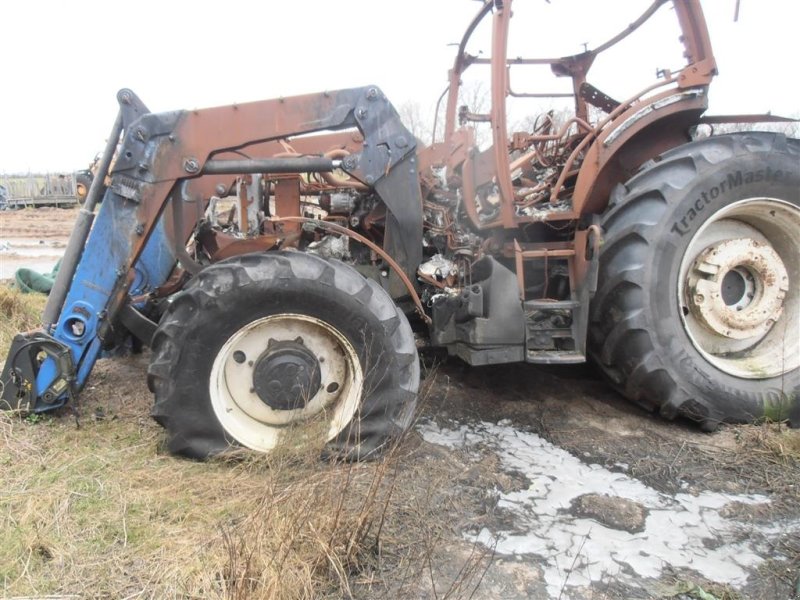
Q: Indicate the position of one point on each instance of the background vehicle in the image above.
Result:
(41, 189)
(83, 181)
(671, 261)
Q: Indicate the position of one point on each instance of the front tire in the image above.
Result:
(698, 307)
(275, 348)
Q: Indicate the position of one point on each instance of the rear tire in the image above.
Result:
(266, 347)
(685, 322)
(83, 181)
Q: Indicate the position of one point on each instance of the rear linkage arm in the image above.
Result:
(128, 252)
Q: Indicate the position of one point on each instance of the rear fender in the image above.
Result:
(638, 135)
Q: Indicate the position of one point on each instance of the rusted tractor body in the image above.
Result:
(278, 254)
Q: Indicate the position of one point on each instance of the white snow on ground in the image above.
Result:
(681, 530)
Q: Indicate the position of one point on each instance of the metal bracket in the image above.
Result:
(18, 383)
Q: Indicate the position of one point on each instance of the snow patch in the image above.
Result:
(681, 530)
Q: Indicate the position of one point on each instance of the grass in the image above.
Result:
(91, 505)
(19, 312)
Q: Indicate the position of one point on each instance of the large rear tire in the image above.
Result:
(265, 346)
(697, 312)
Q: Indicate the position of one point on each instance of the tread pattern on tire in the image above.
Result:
(620, 339)
(387, 405)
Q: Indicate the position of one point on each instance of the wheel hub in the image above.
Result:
(736, 288)
(287, 375)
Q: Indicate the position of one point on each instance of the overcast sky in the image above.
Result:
(63, 61)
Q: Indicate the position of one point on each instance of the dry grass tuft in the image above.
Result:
(773, 443)
(91, 505)
(18, 312)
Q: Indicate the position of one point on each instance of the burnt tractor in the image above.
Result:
(285, 259)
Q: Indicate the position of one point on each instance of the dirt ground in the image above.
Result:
(535, 483)
(33, 238)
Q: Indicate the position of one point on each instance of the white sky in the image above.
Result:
(63, 61)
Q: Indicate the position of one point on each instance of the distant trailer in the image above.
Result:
(38, 189)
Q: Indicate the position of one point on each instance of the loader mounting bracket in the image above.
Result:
(25, 357)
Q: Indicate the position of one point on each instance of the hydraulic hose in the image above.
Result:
(80, 233)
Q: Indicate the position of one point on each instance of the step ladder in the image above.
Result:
(555, 329)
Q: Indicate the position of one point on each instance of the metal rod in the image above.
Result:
(80, 232)
(178, 201)
(541, 94)
(271, 165)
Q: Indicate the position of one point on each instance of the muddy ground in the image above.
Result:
(553, 486)
(33, 238)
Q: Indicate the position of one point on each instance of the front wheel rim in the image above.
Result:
(739, 288)
(244, 410)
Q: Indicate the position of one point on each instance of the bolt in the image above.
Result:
(401, 141)
(349, 162)
(699, 299)
(171, 138)
(143, 167)
(125, 97)
(139, 229)
(370, 179)
(372, 93)
(190, 165)
(361, 113)
(140, 134)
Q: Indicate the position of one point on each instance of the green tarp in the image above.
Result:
(29, 281)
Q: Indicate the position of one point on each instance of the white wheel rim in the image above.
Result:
(252, 422)
(739, 288)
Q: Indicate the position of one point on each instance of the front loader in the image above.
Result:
(284, 259)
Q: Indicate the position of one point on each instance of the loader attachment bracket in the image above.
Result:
(27, 355)
(131, 106)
